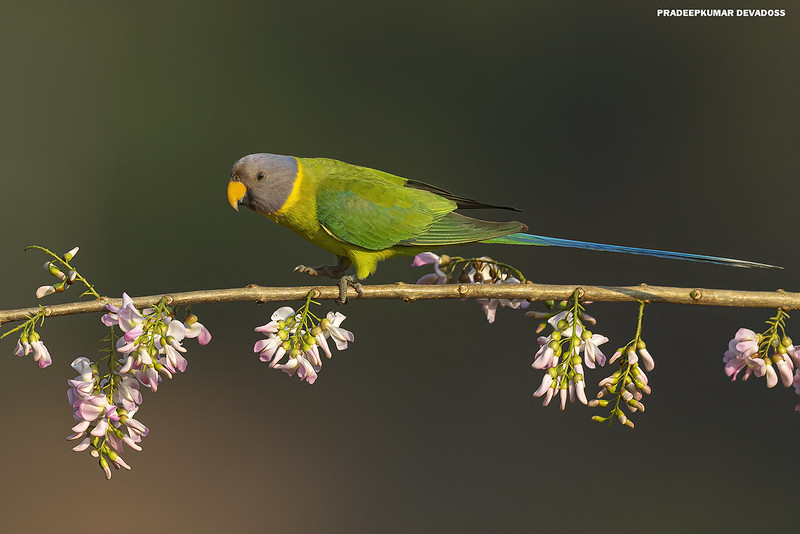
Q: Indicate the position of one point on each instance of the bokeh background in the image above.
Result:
(118, 126)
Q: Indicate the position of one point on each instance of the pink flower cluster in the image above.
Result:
(744, 354)
(480, 271)
(560, 354)
(749, 351)
(286, 335)
(32, 344)
(151, 341)
(105, 405)
(105, 423)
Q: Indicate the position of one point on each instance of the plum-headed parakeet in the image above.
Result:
(365, 216)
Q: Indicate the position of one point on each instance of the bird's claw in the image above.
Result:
(344, 283)
(307, 270)
(329, 271)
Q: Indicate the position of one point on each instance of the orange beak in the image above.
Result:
(236, 191)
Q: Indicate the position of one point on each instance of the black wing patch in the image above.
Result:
(463, 203)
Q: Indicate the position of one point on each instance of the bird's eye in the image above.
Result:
(260, 176)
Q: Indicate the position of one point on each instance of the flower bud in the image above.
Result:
(163, 370)
(537, 315)
(621, 416)
(71, 254)
(598, 418)
(43, 291)
(55, 271)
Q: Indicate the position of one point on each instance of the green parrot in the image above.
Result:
(365, 216)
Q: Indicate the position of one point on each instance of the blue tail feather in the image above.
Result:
(529, 239)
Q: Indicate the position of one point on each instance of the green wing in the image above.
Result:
(373, 209)
(376, 210)
(454, 229)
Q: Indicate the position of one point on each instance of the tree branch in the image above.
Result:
(411, 292)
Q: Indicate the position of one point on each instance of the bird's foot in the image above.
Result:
(331, 271)
(344, 283)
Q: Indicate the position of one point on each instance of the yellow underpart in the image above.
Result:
(366, 261)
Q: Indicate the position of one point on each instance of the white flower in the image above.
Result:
(195, 329)
(592, 353)
(545, 356)
(331, 327)
(44, 291)
(647, 359)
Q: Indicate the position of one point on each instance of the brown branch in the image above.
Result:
(410, 293)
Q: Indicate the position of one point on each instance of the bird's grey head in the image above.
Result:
(262, 182)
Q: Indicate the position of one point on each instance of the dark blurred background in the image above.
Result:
(600, 120)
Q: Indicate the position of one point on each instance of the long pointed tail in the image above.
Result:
(528, 239)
